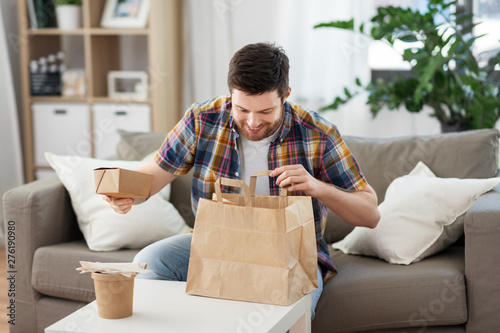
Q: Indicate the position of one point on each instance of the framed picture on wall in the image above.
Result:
(128, 85)
(125, 14)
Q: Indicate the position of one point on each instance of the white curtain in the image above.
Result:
(11, 167)
(322, 61)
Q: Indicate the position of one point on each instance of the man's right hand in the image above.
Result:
(119, 205)
(160, 180)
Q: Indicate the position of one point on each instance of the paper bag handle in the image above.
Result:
(234, 183)
(253, 182)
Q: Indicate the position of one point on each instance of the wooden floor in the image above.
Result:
(4, 326)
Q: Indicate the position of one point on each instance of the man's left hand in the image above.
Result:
(296, 178)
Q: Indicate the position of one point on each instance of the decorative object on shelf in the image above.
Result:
(73, 83)
(445, 74)
(41, 14)
(128, 85)
(125, 14)
(45, 75)
(69, 14)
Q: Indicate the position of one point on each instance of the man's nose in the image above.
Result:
(253, 120)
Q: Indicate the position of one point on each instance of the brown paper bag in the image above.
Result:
(253, 248)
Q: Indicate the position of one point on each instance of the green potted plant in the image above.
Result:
(69, 14)
(445, 74)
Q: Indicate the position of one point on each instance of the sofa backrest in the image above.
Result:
(470, 154)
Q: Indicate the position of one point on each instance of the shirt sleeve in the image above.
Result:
(176, 154)
(340, 167)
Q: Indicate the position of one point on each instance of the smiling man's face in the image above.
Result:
(257, 116)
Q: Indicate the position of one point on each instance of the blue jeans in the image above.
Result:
(169, 260)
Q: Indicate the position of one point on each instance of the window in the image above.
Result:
(487, 14)
(386, 61)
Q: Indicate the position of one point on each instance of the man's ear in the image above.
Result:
(286, 95)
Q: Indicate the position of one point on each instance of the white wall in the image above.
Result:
(11, 168)
(9, 16)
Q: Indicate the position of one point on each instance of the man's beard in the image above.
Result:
(264, 130)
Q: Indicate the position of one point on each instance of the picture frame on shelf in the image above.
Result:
(125, 14)
(128, 85)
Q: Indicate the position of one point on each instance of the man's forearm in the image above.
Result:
(161, 178)
(359, 208)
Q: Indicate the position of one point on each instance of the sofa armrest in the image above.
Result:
(36, 214)
(482, 263)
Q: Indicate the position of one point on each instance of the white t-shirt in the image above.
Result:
(253, 157)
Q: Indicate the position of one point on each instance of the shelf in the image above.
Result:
(99, 99)
(55, 31)
(44, 167)
(106, 31)
(98, 51)
(105, 99)
(58, 99)
(84, 31)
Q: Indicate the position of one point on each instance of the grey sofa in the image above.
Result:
(456, 290)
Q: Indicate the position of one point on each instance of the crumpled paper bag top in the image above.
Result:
(124, 268)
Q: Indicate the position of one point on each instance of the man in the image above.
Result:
(254, 129)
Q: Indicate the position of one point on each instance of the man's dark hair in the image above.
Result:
(259, 68)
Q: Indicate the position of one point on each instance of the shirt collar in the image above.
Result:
(287, 122)
(229, 108)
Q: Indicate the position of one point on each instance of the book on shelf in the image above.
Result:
(42, 14)
(31, 14)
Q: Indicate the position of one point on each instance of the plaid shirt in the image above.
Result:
(205, 139)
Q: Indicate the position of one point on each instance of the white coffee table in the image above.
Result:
(163, 306)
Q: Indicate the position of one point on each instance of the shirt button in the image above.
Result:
(237, 174)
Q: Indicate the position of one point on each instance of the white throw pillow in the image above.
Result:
(102, 227)
(414, 214)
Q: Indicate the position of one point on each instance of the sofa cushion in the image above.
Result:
(134, 146)
(470, 154)
(54, 269)
(368, 293)
(103, 228)
(419, 211)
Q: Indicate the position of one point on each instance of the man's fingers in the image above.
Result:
(278, 171)
(292, 180)
(124, 210)
(123, 201)
(119, 205)
(291, 176)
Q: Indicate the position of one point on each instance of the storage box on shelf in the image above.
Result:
(107, 118)
(61, 128)
(154, 49)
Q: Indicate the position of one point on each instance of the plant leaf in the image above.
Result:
(347, 25)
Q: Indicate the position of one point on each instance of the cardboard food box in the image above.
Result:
(122, 183)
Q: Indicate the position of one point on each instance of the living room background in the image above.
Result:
(323, 61)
